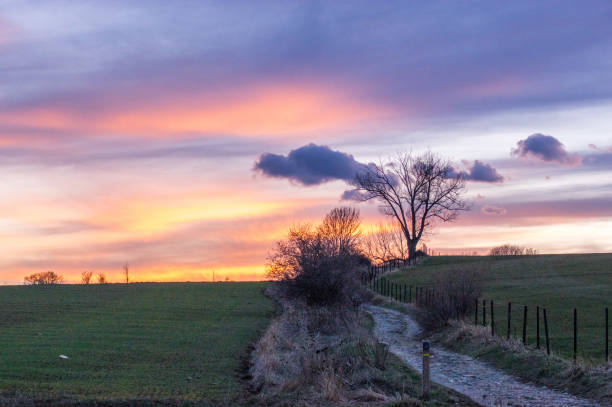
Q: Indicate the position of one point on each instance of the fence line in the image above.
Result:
(424, 295)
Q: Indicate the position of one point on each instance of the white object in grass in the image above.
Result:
(63, 356)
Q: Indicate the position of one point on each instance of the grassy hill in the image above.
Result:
(180, 341)
(558, 282)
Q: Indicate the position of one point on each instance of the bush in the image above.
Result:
(320, 265)
(43, 278)
(86, 277)
(456, 292)
(307, 268)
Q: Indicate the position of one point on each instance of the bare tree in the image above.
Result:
(512, 250)
(340, 228)
(86, 277)
(43, 278)
(101, 278)
(126, 272)
(416, 191)
(386, 242)
(318, 264)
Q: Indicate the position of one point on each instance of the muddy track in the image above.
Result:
(480, 382)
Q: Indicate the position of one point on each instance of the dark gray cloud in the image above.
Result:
(483, 172)
(545, 148)
(310, 165)
(479, 172)
(354, 195)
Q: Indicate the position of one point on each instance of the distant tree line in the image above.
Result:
(87, 277)
(512, 250)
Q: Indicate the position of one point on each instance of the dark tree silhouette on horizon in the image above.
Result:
(415, 190)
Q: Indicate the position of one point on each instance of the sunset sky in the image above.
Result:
(186, 137)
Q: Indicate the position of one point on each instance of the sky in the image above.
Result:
(186, 137)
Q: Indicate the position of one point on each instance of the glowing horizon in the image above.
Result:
(137, 136)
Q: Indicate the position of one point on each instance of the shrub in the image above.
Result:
(308, 268)
(320, 264)
(455, 295)
(43, 278)
(86, 277)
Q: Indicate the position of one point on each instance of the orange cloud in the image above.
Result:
(257, 110)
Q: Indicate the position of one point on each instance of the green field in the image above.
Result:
(171, 341)
(558, 282)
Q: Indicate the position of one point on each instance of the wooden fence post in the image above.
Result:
(575, 333)
(524, 325)
(492, 320)
(484, 313)
(538, 327)
(607, 348)
(546, 331)
(410, 294)
(425, 373)
(476, 312)
(509, 320)
(607, 345)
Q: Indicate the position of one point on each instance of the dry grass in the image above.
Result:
(328, 356)
(582, 379)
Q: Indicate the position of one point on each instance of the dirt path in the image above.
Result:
(482, 383)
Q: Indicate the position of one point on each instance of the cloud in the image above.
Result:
(597, 148)
(545, 148)
(479, 172)
(493, 210)
(354, 195)
(483, 172)
(310, 165)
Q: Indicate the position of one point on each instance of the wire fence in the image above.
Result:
(572, 334)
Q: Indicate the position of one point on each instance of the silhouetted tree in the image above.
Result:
(386, 242)
(126, 272)
(512, 250)
(86, 277)
(316, 263)
(415, 190)
(101, 278)
(340, 229)
(43, 278)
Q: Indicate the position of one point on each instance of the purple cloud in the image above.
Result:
(479, 172)
(545, 148)
(483, 172)
(310, 165)
(597, 148)
(493, 210)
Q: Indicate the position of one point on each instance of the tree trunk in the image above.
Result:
(412, 245)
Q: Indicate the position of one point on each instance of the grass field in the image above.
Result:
(558, 282)
(181, 341)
